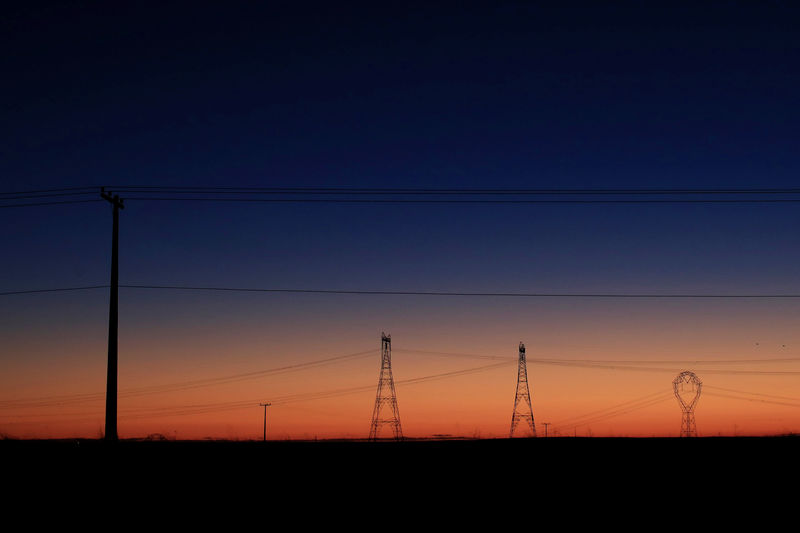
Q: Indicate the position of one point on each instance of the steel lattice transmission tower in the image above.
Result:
(386, 412)
(522, 400)
(687, 389)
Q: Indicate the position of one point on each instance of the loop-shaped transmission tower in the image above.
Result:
(522, 399)
(687, 387)
(385, 412)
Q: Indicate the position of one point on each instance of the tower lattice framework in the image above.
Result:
(687, 387)
(385, 412)
(522, 400)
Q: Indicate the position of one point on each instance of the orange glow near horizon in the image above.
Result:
(65, 380)
(470, 405)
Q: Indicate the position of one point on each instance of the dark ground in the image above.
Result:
(572, 479)
(553, 459)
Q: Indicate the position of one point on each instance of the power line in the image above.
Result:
(570, 423)
(460, 201)
(45, 195)
(459, 293)
(625, 404)
(616, 413)
(416, 190)
(49, 203)
(58, 289)
(610, 365)
(453, 190)
(418, 293)
(224, 380)
(757, 400)
(361, 195)
(610, 361)
(87, 190)
(195, 409)
(290, 398)
(705, 386)
(601, 366)
(566, 424)
(457, 354)
(154, 412)
(317, 395)
(50, 401)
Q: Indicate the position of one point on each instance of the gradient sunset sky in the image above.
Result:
(501, 95)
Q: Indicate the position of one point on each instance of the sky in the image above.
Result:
(504, 96)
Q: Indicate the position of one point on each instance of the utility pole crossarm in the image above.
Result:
(114, 199)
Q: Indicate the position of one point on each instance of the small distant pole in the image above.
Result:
(113, 322)
(265, 405)
(545, 424)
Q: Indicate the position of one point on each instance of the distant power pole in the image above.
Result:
(113, 322)
(386, 398)
(545, 424)
(265, 405)
(687, 387)
(522, 400)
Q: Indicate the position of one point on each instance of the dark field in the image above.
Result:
(579, 463)
(492, 484)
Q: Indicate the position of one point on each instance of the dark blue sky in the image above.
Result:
(509, 95)
(499, 96)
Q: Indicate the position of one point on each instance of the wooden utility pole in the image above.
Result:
(265, 405)
(113, 322)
